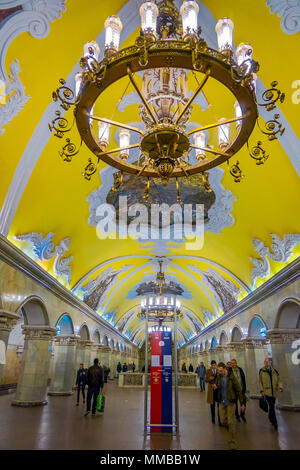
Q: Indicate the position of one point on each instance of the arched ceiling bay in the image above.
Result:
(41, 194)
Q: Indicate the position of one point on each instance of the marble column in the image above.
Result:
(64, 363)
(220, 353)
(34, 372)
(285, 343)
(7, 321)
(205, 359)
(255, 352)
(237, 351)
(105, 353)
(214, 355)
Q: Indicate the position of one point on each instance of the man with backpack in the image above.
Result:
(271, 385)
(95, 381)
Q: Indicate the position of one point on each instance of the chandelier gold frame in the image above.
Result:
(165, 143)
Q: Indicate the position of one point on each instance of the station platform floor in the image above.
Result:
(62, 425)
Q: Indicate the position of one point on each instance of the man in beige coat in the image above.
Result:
(271, 385)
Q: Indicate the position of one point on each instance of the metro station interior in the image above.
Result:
(150, 163)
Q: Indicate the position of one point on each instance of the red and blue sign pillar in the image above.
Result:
(161, 381)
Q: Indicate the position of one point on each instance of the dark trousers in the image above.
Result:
(82, 389)
(213, 412)
(237, 414)
(92, 392)
(272, 415)
(202, 384)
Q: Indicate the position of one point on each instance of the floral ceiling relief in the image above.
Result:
(95, 292)
(289, 12)
(43, 249)
(281, 251)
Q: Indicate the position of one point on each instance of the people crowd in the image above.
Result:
(227, 393)
(226, 390)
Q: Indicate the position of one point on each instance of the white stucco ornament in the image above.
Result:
(289, 12)
(44, 249)
(281, 251)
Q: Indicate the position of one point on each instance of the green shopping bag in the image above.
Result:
(99, 402)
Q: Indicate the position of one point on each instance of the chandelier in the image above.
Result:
(158, 306)
(166, 56)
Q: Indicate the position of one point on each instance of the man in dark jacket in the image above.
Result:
(201, 372)
(95, 381)
(229, 391)
(183, 368)
(240, 376)
(125, 367)
(191, 368)
(81, 383)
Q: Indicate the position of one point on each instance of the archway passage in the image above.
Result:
(288, 315)
(64, 325)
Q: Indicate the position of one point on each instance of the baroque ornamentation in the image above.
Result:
(34, 17)
(14, 96)
(289, 12)
(44, 250)
(281, 251)
(225, 292)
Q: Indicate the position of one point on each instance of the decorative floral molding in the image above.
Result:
(282, 250)
(34, 17)
(225, 292)
(44, 250)
(289, 12)
(14, 96)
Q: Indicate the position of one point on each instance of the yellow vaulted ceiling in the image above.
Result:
(55, 198)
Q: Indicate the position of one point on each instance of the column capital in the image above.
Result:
(254, 343)
(39, 332)
(66, 340)
(236, 346)
(84, 343)
(8, 320)
(283, 335)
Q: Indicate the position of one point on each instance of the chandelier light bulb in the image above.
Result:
(124, 139)
(113, 27)
(104, 129)
(78, 82)
(149, 14)
(238, 114)
(224, 132)
(189, 13)
(243, 52)
(224, 30)
(199, 141)
(91, 48)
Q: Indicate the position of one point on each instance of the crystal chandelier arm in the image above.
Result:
(141, 95)
(117, 150)
(217, 124)
(197, 91)
(115, 123)
(215, 152)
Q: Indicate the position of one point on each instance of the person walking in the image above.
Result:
(201, 372)
(95, 381)
(183, 368)
(81, 383)
(271, 385)
(212, 395)
(119, 368)
(229, 391)
(125, 367)
(240, 376)
(133, 367)
(191, 368)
